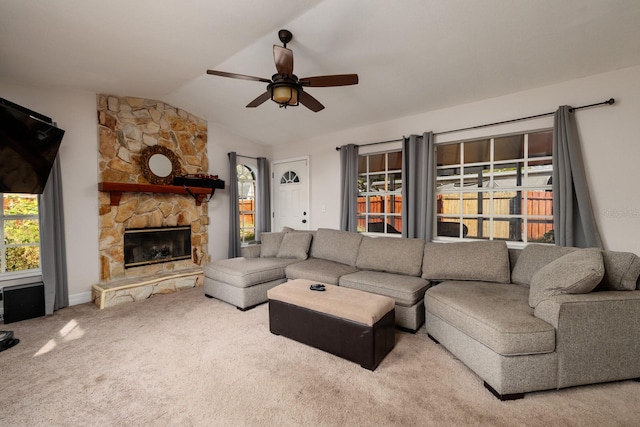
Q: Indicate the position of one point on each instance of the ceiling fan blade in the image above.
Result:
(259, 100)
(327, 81)
(309, 101)
(237, 76)
(283, 58)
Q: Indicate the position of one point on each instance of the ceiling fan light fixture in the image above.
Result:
(284, 88)
(285, 95)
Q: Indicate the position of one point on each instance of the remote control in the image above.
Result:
(317, 287)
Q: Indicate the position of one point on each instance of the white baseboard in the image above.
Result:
(80, 298)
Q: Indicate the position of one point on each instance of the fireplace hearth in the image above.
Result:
(144, 246)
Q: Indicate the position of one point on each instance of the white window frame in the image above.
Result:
(5, 275)
(491, 189)
(367, 193)
(244, 228)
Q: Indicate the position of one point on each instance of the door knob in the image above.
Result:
(304, 221)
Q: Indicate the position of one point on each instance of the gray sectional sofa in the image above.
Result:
(540, 318)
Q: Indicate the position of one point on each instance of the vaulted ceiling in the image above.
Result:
(411, 56)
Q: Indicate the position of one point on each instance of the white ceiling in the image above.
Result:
(411, 56)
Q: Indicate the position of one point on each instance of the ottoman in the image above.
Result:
(352, 324)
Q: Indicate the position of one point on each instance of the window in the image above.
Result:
(380, 193)
(246, 203)
(19, 234)
(289, 177)
(496, 188)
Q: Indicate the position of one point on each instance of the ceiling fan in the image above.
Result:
(285, 88)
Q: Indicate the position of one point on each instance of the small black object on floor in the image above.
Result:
(7, 340)
(22, 302)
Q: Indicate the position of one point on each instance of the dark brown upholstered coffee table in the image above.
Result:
(352, 324)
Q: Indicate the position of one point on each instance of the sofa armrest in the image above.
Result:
(251, 251)
(596, 335)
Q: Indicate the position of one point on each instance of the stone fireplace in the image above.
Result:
(126, 126)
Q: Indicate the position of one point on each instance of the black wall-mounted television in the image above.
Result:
(29, 143)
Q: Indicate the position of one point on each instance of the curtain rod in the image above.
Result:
(246, 157)
(610, 101)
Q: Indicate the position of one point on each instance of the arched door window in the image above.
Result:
(289, 177)
(246, 203)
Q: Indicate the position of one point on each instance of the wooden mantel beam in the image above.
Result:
(116, 189)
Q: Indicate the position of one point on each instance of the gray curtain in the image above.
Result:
(349, 189)
(573, 221)
(234, 213)
(53, 255)
(263, 198)
(418, 186)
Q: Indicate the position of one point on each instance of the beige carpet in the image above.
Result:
(186, 360)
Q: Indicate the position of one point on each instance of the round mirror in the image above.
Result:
(159, 165)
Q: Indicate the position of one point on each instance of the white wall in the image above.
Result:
(610, 140)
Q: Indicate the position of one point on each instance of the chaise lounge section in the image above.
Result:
(244, 281)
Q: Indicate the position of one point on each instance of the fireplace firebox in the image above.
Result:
(143, 246)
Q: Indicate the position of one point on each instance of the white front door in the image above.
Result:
(291, 194)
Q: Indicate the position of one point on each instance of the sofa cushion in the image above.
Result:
(533, 258)
(244, 272)
(295, 245)
(405, 290)
(486, 261)
(336, 245)
(495, 314)
(319, 270)
(514, 254)
(621, 271)
(251, 251)
(270, 243)
(286, 229)
(395, 255)
(578, 272)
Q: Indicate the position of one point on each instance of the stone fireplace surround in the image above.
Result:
(126, 126)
